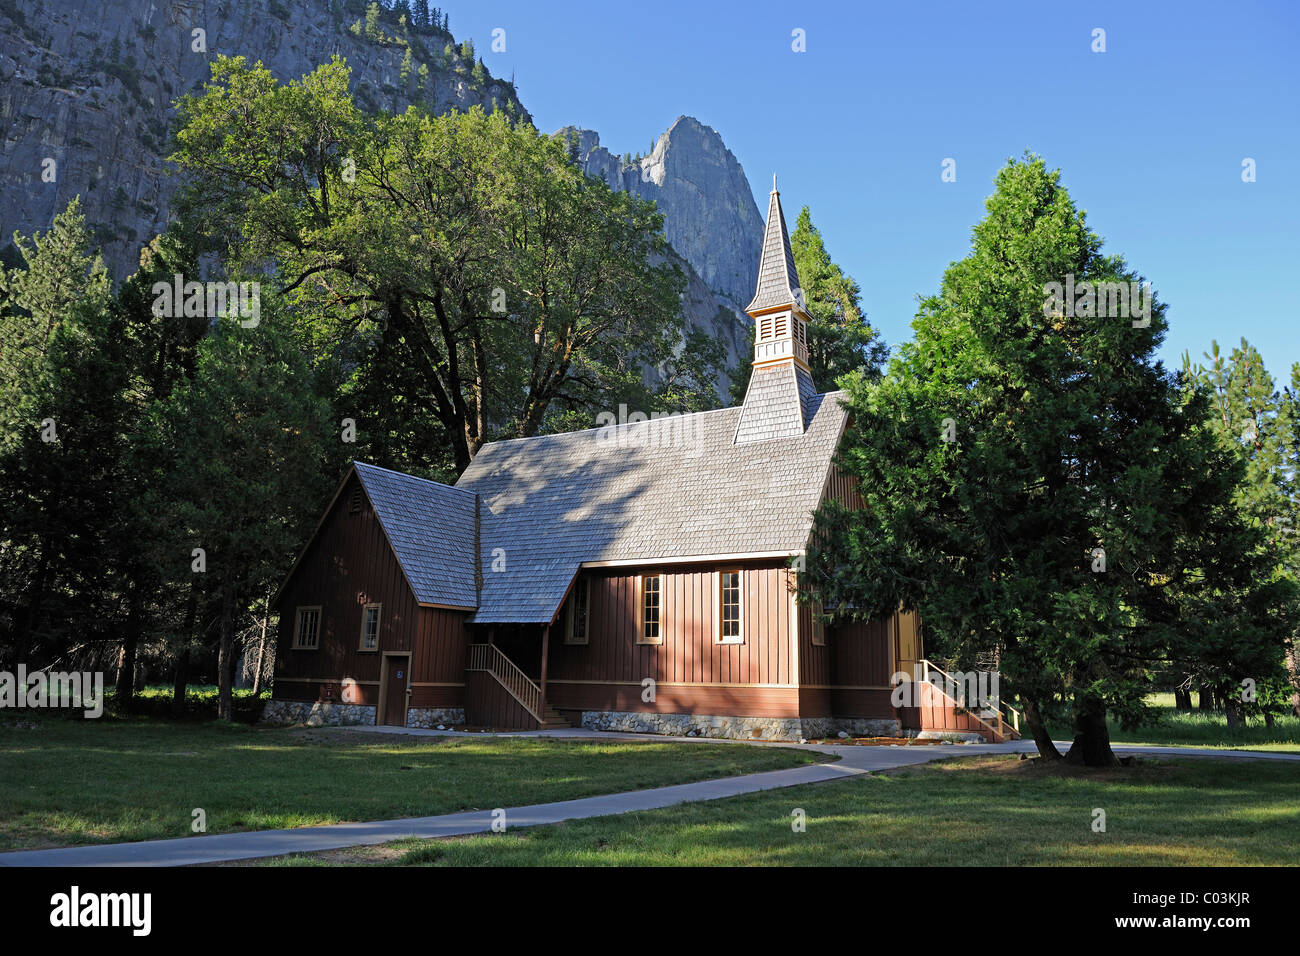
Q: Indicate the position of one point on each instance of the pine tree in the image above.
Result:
(1043, 490)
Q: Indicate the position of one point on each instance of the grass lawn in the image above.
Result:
(70, 781)
(1197, 728)
(996, 811)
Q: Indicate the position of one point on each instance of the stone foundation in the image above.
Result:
(734, 728)
(321, 713)
(426, 717)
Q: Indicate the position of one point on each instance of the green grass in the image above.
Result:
(1197, 728)
(68, 781)
(996, 811)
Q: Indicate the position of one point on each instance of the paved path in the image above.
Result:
(225, 847)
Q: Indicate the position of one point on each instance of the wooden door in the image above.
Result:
(396, 677)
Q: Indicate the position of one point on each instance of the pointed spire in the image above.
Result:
(778, 281)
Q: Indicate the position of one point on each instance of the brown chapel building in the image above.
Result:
(636, 577)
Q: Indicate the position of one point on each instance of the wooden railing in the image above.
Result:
(1005, 713)
(489, 659)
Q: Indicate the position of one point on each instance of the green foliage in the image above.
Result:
(474, 276)
(1260, 423)
(1068, 437)
(840, 340)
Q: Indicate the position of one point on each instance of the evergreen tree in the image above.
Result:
(251, 454)
(1041, 488)
(60, 414)
(1253, 417)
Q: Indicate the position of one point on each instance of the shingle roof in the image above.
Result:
(779, 403)
(671, 488)
(432, 529)
(778, 280)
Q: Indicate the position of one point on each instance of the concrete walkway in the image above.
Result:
(226, 847)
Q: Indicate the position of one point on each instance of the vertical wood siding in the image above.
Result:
(349, 555)
(607, 672)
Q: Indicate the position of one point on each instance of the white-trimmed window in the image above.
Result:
(577, 621)
(370, 627)
(651, 610)
(306, 628)
(730, 607)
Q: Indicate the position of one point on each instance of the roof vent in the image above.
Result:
(355, 506)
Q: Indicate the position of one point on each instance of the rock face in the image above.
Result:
(87, 89)
(89, 85)
(709, 212)
(710, 219)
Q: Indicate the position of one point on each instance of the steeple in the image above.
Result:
(781, 397)
(778, 282)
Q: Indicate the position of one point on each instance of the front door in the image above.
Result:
(396, 678)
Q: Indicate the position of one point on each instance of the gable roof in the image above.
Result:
(671, 488)
(432, 528)
(778, 280)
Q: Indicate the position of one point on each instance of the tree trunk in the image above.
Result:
(1270, 721)
(226, 644)
(126, 657)
(180, 679)
(1293, 669)
(261, 650)
(181, 671)
(1232, 707)
(1091, 745)
(1182, 698)
(1207, 699)
(1043, 740)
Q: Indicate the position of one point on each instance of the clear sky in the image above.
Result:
(1150, 135)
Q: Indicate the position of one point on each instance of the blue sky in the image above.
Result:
(1150, 135)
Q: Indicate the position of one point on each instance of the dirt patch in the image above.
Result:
(1035, 768)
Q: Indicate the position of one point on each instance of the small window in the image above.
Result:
(818, 623)
(650, 610)
(370, 627)
(306, 629)
(575, 631)
(729, 611)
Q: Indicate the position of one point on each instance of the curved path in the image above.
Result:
(226, 847)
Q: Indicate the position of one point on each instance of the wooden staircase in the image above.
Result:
(489, 659)
(996, 724)
(553, 720)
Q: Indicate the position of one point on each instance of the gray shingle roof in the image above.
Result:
(432, 529)
(779, 403)
(671, 488)
(778, 280)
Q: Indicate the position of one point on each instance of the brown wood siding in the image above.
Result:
(488, 704)
(350, 554)
(606, 673)
(862, 653)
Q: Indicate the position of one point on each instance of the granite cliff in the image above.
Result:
(86, 102)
